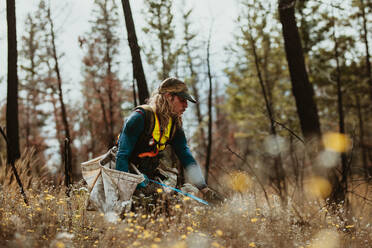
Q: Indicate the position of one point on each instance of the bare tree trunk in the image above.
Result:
(195, 93)
(365, 39)
(209, 146)
(134, 93)
(301, 88)
(109, 78)
(28, 120)
(60, 94)
(361, 138)
(280, 176)
(103, 109)
(12, 125)
(58, 126)
(138, 73)
(339, 190)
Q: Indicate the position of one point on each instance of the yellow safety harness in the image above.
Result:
(159, 139)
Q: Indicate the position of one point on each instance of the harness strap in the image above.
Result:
(159, 137)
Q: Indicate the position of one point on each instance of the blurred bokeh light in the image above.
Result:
(336, 142)
(239, 181)
(318, 187)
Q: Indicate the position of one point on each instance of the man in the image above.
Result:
(150, 128)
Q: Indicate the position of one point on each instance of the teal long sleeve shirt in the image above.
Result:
(132, 130)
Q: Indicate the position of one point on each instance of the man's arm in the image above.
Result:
(129, 135)
(192, 169)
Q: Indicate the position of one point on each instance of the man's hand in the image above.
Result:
(144, 183)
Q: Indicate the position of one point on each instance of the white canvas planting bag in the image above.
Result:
(110, 190)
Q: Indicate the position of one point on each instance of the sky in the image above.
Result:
(71, 21)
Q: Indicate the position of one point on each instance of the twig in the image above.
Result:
(364, 198)
(254, 174)
(289, 130)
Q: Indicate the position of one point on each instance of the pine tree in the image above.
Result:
(164, 53)
(102, 90)
(33, 96)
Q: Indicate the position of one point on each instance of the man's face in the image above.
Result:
(179, 105)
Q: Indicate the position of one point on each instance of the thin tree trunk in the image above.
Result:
(103, 109)
(301, 88)
(339, 191)
(280, 180)
(58, 126)
(138, 73)
(60, 94)
(12, 125)
(111, 115)
(196, 95)
(134, 93)
(162, 47)
(109, 77)
(361, 138)
(209, 146)
(365, 39)
(28, 120)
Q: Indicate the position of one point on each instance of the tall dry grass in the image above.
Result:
(244, 219)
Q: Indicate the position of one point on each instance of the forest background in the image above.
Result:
(288, 75)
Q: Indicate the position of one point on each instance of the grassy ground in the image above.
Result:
(245, 219)
(54, 220)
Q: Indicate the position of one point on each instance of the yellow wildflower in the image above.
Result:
(157, 239)
(215, 244)
(252, 244)
(59, 244)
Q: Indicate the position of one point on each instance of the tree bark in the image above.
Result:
(365, 39)
(12, 125)
(361, 138)
(339, 190)
(209, 145)
(138, 73)
(301, 88)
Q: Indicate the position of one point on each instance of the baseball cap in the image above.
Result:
(176, 87)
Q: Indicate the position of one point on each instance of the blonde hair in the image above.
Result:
(162, 107)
